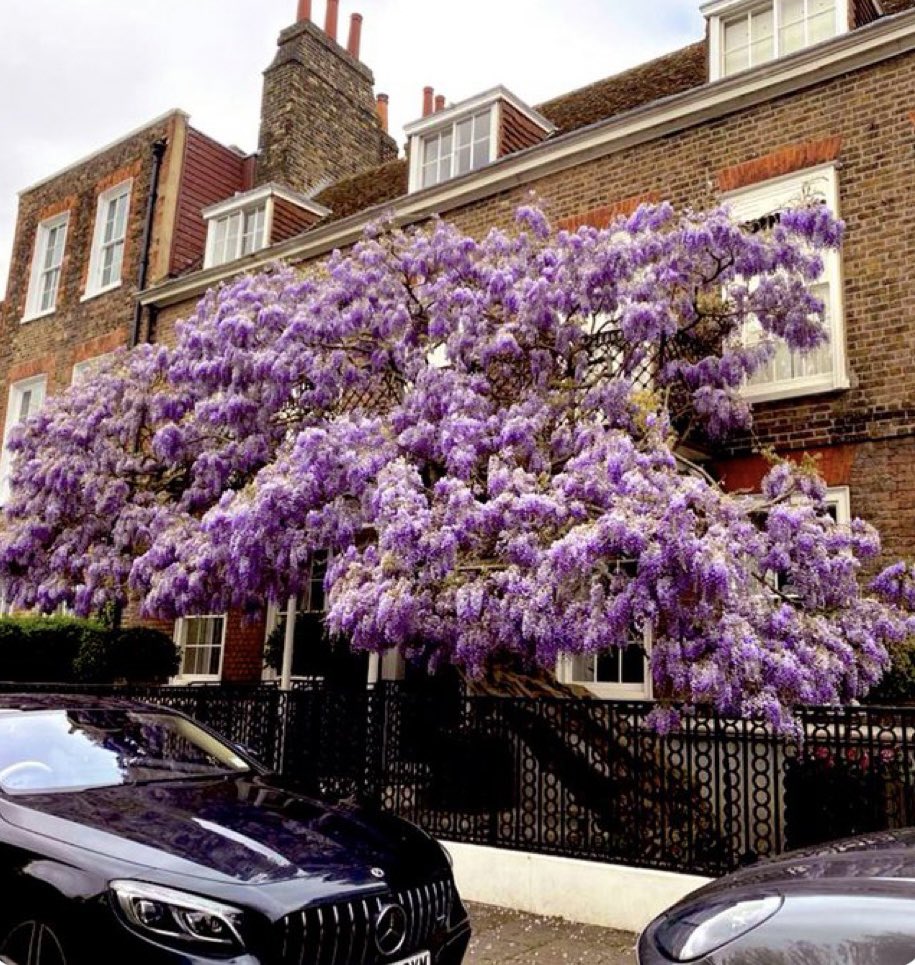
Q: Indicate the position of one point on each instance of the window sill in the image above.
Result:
(793, 390)
(95, 293)
(33, 318)
(613, 691)
(185, 680)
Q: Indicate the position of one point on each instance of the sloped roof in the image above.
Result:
(364, 190)
(671, 74)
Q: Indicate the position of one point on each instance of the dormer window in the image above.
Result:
(451, 141)
(255, 219)
(238, 233)
(458, 148)
(746, 34)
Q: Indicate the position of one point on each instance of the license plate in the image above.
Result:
(420, 958)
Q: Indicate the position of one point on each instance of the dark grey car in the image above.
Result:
(848, 903)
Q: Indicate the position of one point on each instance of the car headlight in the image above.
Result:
(701, 929)
(177, 918)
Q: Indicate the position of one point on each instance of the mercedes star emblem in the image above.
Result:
(377, 873)
(390, 929)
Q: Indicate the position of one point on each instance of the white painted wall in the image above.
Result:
(590, 892)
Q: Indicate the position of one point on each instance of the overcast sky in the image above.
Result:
(77, 74)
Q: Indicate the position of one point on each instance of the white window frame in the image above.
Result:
(451, 121)
(840, 497)
(721, 12)
(84, 369)
(263, 197)
(565, 674)
(180, 638)
(748, 204)
(242, 212)
(37, 384)
(33, 307)
(94, 286)
(493, 100)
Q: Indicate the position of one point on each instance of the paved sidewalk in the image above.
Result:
(500, 936)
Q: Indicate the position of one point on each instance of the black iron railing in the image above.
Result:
(579, 778)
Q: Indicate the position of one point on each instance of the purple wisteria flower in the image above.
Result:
(485, 435)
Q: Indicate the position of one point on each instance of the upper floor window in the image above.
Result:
(236, 234)
(466, 136)
(459, 147)
(25, 399)
(107, 257)
(254, 219)
(47, 260)
(87, 368)
(791, 373)
(746, 34)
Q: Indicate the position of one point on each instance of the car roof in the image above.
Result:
(64, 701)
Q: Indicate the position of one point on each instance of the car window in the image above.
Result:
(57, 750)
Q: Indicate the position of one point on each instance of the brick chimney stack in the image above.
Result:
(319, 117)
(439, 102)
(428, 100)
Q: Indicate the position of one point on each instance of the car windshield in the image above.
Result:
(59, 750)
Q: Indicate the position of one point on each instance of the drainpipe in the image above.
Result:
(158, 152)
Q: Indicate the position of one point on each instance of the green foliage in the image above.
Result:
(61, 649)
(135, 654)
(898, 683)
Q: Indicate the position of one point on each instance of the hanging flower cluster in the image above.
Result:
(486, 435)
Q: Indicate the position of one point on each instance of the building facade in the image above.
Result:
(780, 100)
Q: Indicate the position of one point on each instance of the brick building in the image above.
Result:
(781, 98)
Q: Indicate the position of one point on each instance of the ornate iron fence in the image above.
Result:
(579, 778)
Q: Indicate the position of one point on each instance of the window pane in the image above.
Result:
(25, 404)
(821, 23)
(584, 667)
(430, 149)
(633, 665)
(481, 153)
(791, 34)
(762, 37)
(465, 133)
(430, 175)
(608, 666)
(736, 34)
(462, 161)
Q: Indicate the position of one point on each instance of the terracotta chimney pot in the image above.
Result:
(304, 11)
(355, 35)
(381, 106)
(330, 21)
(439, 102)
(428, 96)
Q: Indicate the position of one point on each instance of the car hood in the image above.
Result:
(239, 831)
(874, 863)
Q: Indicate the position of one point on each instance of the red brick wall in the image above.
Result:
(78, 329)
(243, 659)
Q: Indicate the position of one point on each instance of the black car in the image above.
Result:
(848, 903)
(131, 834)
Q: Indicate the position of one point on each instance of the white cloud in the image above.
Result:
(77, 74)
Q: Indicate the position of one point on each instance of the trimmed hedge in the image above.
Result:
(63, 649)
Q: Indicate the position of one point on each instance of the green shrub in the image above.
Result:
(62, 649)
(137, 654)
